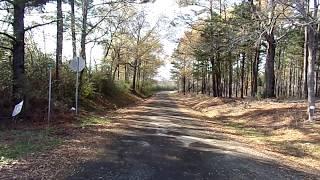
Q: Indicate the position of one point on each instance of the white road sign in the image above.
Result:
(77, 64)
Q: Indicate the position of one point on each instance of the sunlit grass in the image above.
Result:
(93, 120)
(15, 144)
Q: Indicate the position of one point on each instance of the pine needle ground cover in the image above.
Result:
(35, 151)
(277, 127)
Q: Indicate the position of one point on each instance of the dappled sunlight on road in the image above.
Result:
(162, 138)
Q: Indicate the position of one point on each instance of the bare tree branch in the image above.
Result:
(39, 25)
(102, 19)
(127, 63)
(107, 3)
(4, 21)
(8, 35)
(6, 48)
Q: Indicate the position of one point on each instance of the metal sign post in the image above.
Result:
(49, 94)
(77, 65)
(77, 86)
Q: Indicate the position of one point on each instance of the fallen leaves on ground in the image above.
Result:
(275, 126)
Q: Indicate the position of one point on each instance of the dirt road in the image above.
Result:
(161, 139)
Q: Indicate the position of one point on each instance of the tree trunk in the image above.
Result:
(138, 76)
(255, 70)
(290, 80)
(202, 81)
(196, 86)
(208, 79)
(284, 86)
(242, 74)
(247, 75)
(305, 65)
(18, 68)
(184, 84)
(317, 84)
(193, 84)
(59, 39)
(114, 72)
(85, 4)
(214, 86)
(312, 46)
(126, 73)
(237, 77)
(218, 75)
(294, 81)
(118, 72)
(134, 77)
(269, 71)
(300, 83)
(278, 72)
(73, 30)
(230, 75)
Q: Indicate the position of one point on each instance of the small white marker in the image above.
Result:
(17, 109)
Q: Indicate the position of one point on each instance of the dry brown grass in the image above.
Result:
(277, 127)
(79, 142)
(70, 141)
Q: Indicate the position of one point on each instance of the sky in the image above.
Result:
(169, 12)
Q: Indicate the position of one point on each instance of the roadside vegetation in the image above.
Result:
(277, 127)
(121, 76)
(255, 48)
(15, 144)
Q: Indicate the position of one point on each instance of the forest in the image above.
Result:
(257, 48)
(159, 89)
(129, 62)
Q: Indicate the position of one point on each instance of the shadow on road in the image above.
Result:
(157, 140)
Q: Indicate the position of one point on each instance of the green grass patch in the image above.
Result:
(17, 143)
(296, 148)
(93, 120)
(241, 129)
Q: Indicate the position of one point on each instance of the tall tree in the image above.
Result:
(85, 7)
(19, 79)
(73, 29)
(312, 56)
(306, 55)
(59, 38)
(140, 34)
(18, 44)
